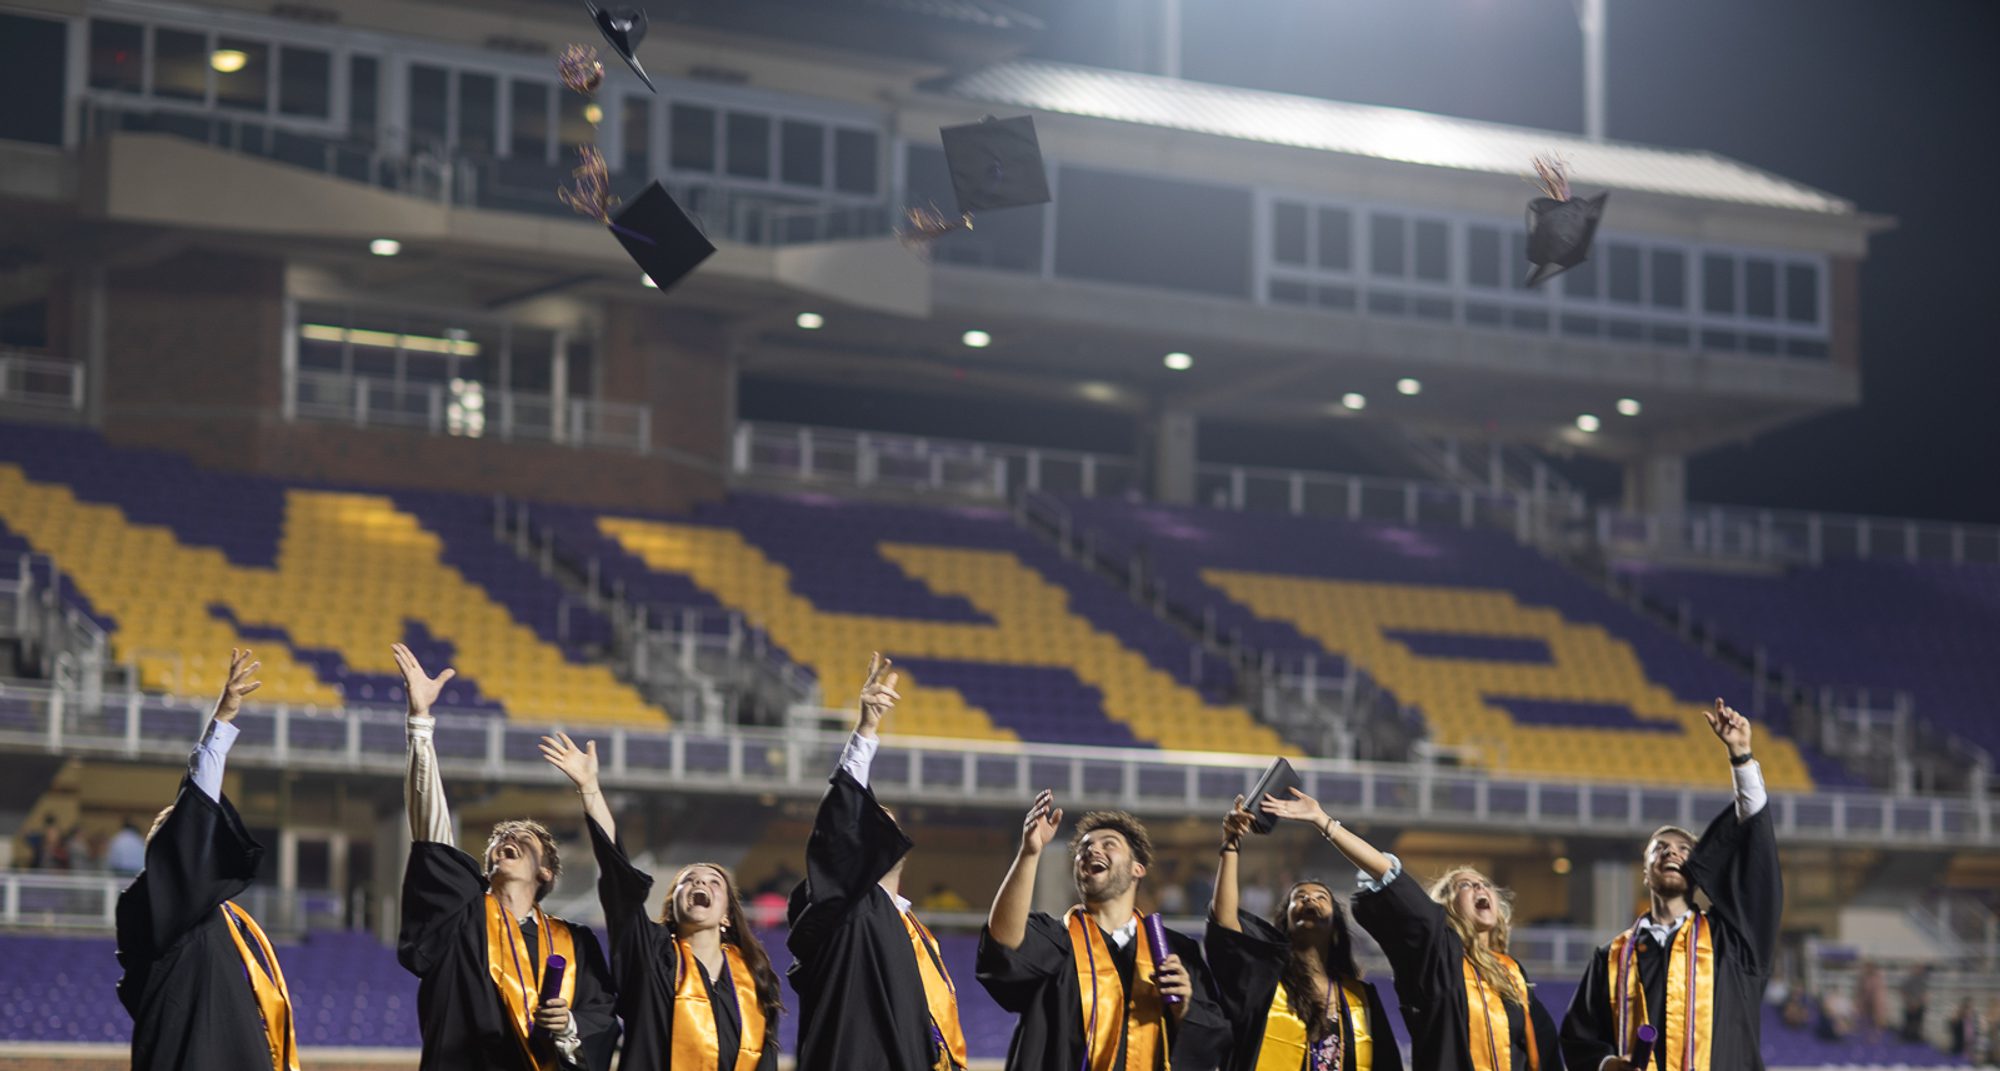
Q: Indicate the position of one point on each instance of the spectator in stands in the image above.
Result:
(126, 854)
(872, 985)
(1797, 1011)
(695, 987)
(943, 897)
(1836, 1016)
(475, 935)
(1096, 964)
(1697, 976)
(201, 980)
(1294, 997)
(1964, 1029)
(42, 841)
(77, 847)
(1916, 1001)
(1468, 1005)
(1871, 1002)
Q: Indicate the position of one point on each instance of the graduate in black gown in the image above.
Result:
(1468, 1005)
(1678, 965)
(201, 982)
(1085, 985)
(695, 988)
(476, 937)
(873, 989)
(1294, 997)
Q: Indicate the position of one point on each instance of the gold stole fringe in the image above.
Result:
(939, 994)
(274, 1000)
(1108, 1013)
(1486, 1013)
(1687, 972)
(520, 981)
(696, 1046)
(1286, 1036)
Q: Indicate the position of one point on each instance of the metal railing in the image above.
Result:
(1785, 537)
(87, 902)
(838, 457)
(507, 415)
(39, 382)
(736, 762)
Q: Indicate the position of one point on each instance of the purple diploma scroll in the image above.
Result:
(552, 980)
(1156, 936)
(1642, 1053)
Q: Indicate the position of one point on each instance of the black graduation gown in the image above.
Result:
(1428, 960)
(184, 982)
(1037, 981)
(1248, 968)
(645, 962)
(1736, 864)
(443, 942)
(861, 1000)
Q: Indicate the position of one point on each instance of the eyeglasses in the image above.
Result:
(1464, 884)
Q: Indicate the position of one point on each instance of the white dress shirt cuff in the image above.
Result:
(859, 756)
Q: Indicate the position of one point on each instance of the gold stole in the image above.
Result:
(274, 1000)
(939, 994)
(696, 1046)
(1486, 1008)
(519, 980)
(1690, 994)
(1286, 1036)
(1108, 1013)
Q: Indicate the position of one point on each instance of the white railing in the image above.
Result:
(736, 762)
(88, 902)
(491, 413)
(865, 459)
(1331, 494)
(1739, 533)
(31, 380)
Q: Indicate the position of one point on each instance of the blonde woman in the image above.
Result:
(1467, 1003)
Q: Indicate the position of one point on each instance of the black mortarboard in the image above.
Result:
(660, 237)
(995, 163)
(623, 28)
(1278, 782)
(1559, 234)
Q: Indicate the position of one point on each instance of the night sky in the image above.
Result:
(1893, 105)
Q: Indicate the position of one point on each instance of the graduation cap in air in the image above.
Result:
(1560, 227)
(660, 237)
(623, 28)
(994, 164)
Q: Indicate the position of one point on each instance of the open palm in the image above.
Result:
(420, 687)
(579, 764)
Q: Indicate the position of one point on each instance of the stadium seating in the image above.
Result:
(1000, 636)
(180, 564)
(1925, 628)
(1501, 650)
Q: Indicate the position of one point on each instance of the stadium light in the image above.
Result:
(1178, 361)
(1587, 422)
(385, 247)
(1353, 401)
(810, 321)
(1408, 386)
(977, 339)
(1628, 407)
(228, 60)
(1561, 865)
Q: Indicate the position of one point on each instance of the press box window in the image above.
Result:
(1336, 239)
(1718, 285)
(1801, 294)
(1624, 270)
(748, 139)
(855, 156)
(180, 65)
(1288, 232)
(117, 56)
(1760, 289)
(1386, 242)
(305, 82)
(692, 137)
(1669, 279)
(1482, 249)
(247, 87)
(1433, 241)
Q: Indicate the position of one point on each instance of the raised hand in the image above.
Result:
(422, 689)
(242, 681)
(1236, 823)
(1730, 727)
(1041, 823)
(878, 694)
(579, 764)
(1299, 808)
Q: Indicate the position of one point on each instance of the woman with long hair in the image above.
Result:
(695, 987)
(1468, 1005)
(1294, 997)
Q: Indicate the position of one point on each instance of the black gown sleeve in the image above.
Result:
(854, 843)
(439, 882)
(1736, 863)
(1590, 1026)
(1388, 1055)
(1247, 966)
(1548, 1041)
(1411, 929)
(624, 891)
(201, 856)
(594, 1006)
(1202, 1038)
(1014, 977)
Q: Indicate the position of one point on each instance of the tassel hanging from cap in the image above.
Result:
(591, 196)
(926, 224)
(1552, 176)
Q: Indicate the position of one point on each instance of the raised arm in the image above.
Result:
(579, 764)
(1222, 908)
(1007, 920)
(1736, 859)
(205, 763)
(423, 789)
(1303, 808)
